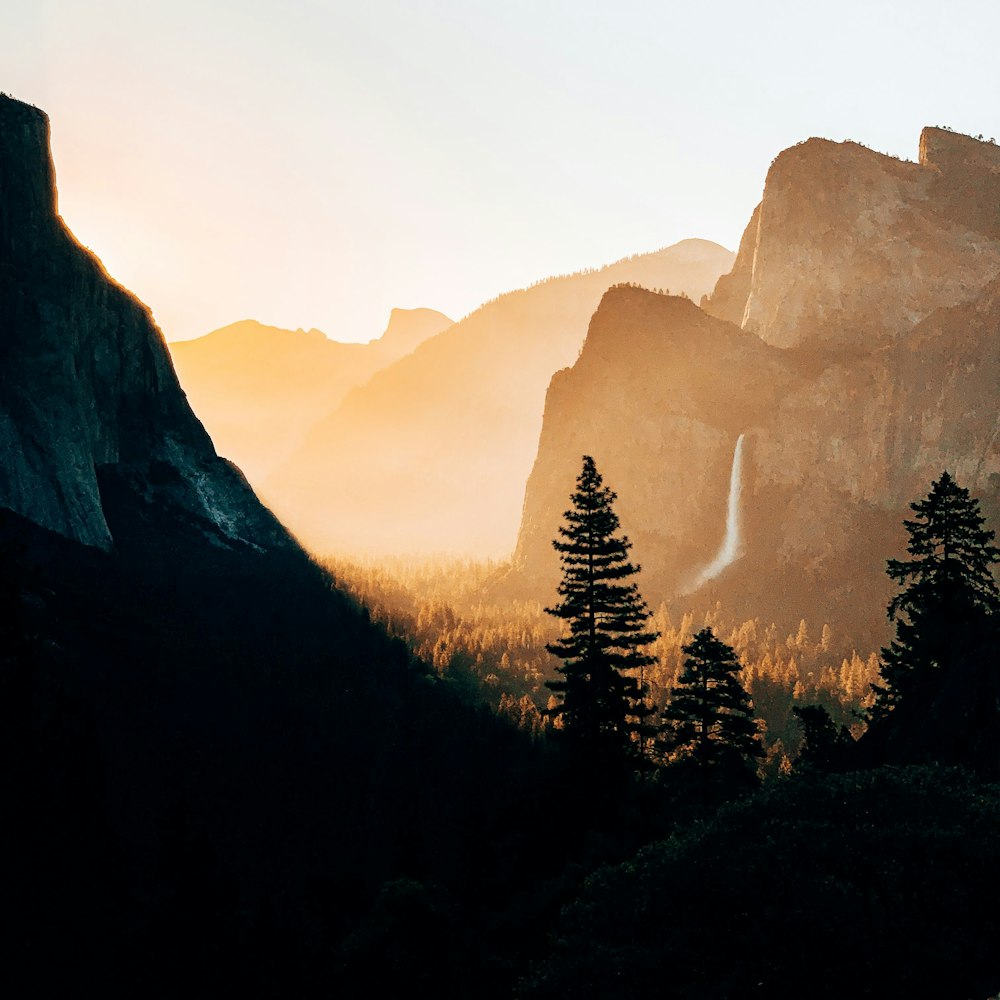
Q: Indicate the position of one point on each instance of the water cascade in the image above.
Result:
(729, 551)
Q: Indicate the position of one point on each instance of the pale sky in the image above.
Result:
(314, 164)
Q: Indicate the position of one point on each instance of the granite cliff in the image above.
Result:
(87, 391)
(867, 322)
(849, 247)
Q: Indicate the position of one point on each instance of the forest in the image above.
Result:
(494, 651)
(248, 790)
(810, 814)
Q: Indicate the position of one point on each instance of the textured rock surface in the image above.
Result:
(849, 246)
(260, 389)
(658, 397)
(86, 383)
(433, 453)
(835, 449)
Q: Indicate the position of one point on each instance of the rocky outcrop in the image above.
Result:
(728, 301)
(86, 384)
(432, 454)
(260, 389)
(658, 397)
(835, 449)
(850, 247)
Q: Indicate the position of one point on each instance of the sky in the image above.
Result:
(316, 164)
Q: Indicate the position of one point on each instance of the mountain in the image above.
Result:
(259, 389)
(211, 760)
(850, 246)
(432, 454)
(87, 391)
(851, 382)
(407, 330)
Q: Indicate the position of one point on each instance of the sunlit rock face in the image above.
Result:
(659, 397)
(846, 419)
(849, 247)
(87, 389)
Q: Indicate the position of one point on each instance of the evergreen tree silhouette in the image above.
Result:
(708, 723)
(825, 748)
(602, 708)
(947, 608)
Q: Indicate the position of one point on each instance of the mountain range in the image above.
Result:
(259, 389)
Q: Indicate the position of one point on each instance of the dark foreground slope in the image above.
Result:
(211, 763)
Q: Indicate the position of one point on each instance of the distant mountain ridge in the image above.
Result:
(432, 454)
(259, 389)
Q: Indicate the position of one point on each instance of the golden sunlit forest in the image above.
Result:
(496, 652)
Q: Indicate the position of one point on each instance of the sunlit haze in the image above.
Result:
(316, 164)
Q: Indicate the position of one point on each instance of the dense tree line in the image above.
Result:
(218, 777)
(496, 651)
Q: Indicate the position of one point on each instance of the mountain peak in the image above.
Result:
(27, 184)
(408, 328)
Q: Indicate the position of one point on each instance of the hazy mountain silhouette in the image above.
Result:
(432, 454)
(888, 383)
(259, 389)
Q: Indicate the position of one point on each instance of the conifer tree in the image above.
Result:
(949, 603)
(708, 722)
(824, 746)
(602, 707)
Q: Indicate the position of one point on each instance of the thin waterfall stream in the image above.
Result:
(729, 551)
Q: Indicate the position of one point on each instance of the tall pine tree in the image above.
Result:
(602, 707)
(708, 723)
(948, 608)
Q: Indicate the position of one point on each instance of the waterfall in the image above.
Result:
(729, 551)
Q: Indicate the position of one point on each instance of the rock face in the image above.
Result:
(658, 397)
(849, 246)
(260, 389)
(86, 385)
(841, 431)
(432, 454)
